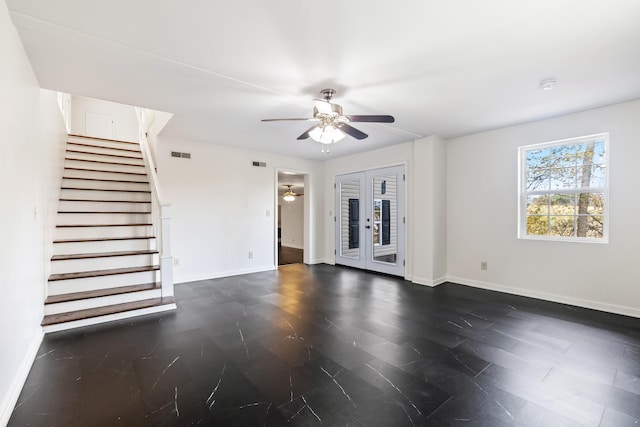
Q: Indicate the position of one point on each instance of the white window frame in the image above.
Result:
(523, 193)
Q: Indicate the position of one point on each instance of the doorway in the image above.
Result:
(370, 232)
(291, 218)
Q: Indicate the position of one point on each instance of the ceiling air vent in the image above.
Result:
(259, 164)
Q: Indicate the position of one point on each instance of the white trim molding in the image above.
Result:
(546, 296)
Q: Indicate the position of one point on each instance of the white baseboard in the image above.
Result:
(217, 275)
(11, 398)
(427, 282)
(563, 299)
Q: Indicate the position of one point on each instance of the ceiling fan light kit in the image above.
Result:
(289, 195)
(333, 124)
(326, 134)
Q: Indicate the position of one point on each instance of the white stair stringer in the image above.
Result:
(105, 260)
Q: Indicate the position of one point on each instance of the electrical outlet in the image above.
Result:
(250, 254)
(176, 262)
(483, 265)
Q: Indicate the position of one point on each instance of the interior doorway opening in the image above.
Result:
(291, 224)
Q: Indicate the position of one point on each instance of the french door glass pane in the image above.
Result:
(385, 218)
(350, 219)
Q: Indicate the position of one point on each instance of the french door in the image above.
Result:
(370, 220)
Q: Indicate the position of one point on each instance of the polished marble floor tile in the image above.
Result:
(327, 345)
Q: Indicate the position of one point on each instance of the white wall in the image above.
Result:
(126, 121)
(292, 220)
(32, 136)
(219, 208)
(482, 193)
(427, 252)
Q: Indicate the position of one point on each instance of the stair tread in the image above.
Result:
(102, 170)
(99, 273)
(77, 296)
(102, 255)
(130, 150)
(102, 239)
(70, 316)
(103, 201)
(122, 156)
(103, 162)
(73, 135)
(103, 225)
(106, 189)
(103, 212)
(105, 180)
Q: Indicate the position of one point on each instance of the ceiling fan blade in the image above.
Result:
(323, 106)
(350, 130)
(311, 119)
(372, 119)
(305, 135)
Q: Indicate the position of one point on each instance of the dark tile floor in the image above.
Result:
(311, 345)
(288, 255)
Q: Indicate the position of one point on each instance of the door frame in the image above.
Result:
(306, 254)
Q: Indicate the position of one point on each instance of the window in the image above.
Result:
(564, 190)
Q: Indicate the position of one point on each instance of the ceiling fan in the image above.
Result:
(289, 195)
(332, 125)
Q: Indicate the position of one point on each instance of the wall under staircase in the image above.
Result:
(106, 262)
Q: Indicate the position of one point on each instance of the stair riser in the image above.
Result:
(103, 207)
(64, 307)
(104, 185)
(103, 282)
(103, 175)
(105, 195)
(98, 232)
(107, 167)
(106, 246)
(105, 150)
(104, 158)
(103, 143)
(104, 263)
(102, 218)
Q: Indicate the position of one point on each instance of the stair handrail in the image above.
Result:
(160, 211)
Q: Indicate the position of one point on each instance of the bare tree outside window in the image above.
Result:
(564, 189)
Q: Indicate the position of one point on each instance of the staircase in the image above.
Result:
(106, 262)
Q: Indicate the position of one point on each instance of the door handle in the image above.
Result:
(368, 226)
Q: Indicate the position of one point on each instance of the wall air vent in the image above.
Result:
(179, 154)
(259, 164)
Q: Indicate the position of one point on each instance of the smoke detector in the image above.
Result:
(548, 84)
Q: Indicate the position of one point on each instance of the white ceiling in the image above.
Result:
(448, 68)
(296, 181)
